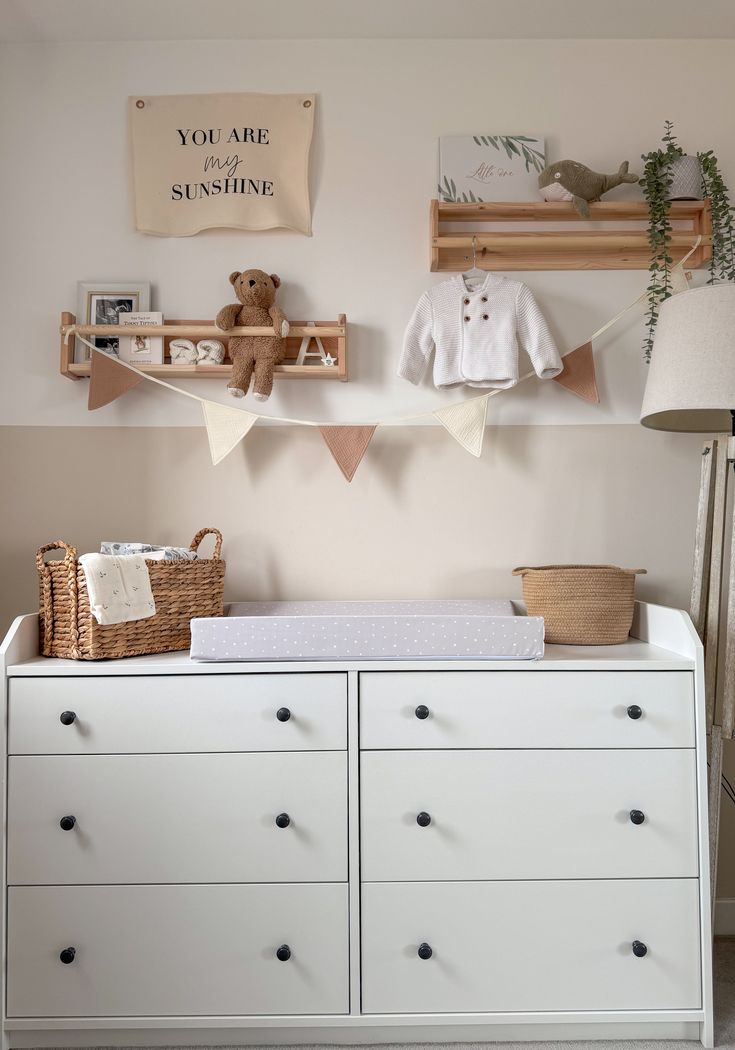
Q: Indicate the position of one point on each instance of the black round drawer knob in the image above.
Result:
(67, 823)
(283, 714)
(67, 718)
(634, 711)
(423, 820)
(422, 712)
(425, 951)
(283, 820)
(67, 955)
(637, 816)
(283, 954)
(639, 949)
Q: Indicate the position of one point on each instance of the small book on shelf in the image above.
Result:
(141, 349)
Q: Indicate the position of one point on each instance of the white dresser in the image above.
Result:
(357, 852)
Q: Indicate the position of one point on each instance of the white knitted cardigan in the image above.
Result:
(475, 334)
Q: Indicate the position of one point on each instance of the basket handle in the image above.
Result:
(47, 604)
(522, 569)
(194, 545)
(55, 545)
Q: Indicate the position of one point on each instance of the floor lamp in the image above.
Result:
(691, 388)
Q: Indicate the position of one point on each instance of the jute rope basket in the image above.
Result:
(581, 604)
(181, 590)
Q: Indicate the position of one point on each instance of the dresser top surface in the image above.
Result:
(630, 656)
(661, 639)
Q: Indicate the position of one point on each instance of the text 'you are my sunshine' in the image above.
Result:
(231, 179)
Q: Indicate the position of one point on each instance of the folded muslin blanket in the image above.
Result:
(151, 551)
(119, 587)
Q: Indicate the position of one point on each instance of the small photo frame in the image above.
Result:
(100, 303)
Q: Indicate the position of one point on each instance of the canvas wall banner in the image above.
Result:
(236, 160)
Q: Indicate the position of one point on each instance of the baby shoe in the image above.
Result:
(182, 351)
(210, 350)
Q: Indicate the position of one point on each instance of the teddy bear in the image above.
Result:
(254, 355)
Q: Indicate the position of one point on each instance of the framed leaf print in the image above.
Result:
(490, 167)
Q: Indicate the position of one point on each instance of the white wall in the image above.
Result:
(66, 210)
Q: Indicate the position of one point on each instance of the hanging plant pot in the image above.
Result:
(686, 179)
(671, 174)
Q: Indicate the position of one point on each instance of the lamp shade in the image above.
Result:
(691, 378)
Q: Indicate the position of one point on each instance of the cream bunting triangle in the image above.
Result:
(226, 427)
(466, 423)
(348, 445)
(108, 380)
(578, 374)
(678, 279)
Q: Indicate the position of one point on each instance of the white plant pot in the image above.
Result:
(686, 180)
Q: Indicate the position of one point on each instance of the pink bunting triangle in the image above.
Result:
(347, 445)
(108, 380)
(578, 374)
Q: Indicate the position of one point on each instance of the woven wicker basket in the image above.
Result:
(581, 604)
(181, 590)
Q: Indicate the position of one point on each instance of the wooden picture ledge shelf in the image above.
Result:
(333, 336)
(577, 244)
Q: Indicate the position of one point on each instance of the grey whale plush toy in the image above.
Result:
(568, 180)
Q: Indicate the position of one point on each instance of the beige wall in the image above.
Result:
(423, 520)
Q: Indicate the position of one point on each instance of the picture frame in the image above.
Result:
(100, 302)
(478, 168)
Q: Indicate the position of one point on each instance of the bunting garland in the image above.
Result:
(226, 427)
(348, 445)
(466, 423)
(578, 374)
(107, 382)
(678, 278)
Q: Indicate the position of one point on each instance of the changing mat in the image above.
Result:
(392, 630)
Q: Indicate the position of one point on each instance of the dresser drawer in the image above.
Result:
(528, 815)
(169, 713)
(526, 709)
(178, 818)
(530, 946)
(177, 950)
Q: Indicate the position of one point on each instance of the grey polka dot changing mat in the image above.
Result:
(369, 630)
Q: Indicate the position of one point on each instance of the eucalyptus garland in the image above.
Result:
(722, 262)
(656, 182)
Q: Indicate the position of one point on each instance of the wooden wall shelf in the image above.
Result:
(577, 244)
(333, 335)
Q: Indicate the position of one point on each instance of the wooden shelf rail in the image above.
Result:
(333, 336)
(579, 244)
